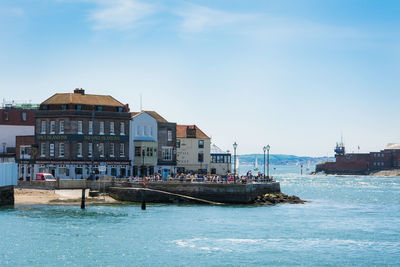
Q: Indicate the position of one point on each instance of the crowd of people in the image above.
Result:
(203, 178)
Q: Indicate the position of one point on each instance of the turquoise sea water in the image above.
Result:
(347, 221)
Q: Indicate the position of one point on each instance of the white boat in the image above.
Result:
(256, 165)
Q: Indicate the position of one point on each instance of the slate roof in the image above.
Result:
(153, 114)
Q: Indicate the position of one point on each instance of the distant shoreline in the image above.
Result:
(386, 173)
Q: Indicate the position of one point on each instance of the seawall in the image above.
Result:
(222, 193)
(7, 195)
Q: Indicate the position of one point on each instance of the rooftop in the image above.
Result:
(154, 114)
(79, 97)
(181, 131)
(216, 150)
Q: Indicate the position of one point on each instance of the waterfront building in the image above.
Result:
(220, 161)
(362, 163)
(143, 145)
(78, 134)
(15, 120)
(193, 149)
(26, 152)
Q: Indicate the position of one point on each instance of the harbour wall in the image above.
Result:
(7, 195)
(222, 193)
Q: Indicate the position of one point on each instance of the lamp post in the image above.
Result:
(143, 151)
(264, 149)
(234, 153)
(268, 147)
(227, 162)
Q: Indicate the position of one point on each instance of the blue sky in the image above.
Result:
(294, 74)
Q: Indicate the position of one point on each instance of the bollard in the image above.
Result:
(83, 198)
(143, 200)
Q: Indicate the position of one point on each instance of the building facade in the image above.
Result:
(14, 121)
(26, 152)
(220, 161)
(143, 145)
(193, 149)
(79, 135)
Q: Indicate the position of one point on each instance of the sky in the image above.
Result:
(294, 74)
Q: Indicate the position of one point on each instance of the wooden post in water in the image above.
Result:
(143, 199)
(83, 198)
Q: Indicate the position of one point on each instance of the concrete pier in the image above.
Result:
(221, 193)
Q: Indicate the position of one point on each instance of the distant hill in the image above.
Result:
(278, 159)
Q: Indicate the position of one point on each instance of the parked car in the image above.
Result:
(42, 176)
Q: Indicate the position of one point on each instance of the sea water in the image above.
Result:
(348, 220)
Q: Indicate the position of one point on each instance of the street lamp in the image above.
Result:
(227, 162)
(268, 147)
(234, 153)
(143, 151)
(264, 149)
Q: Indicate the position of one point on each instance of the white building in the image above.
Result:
(143, 145)
(220, 161)
(193, 149)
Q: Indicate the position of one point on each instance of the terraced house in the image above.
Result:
(76, 133)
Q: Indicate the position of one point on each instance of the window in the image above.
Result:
(178, 143)
(101, 150)
(52, 127)
(61, 128)
(51, 150)
(90, 150)
(201, 143)
(137, 130)
(151, 131)
(24, 152)
(112, 150)
(43, 127)
(122, 150)
(145, 130)
(166, 153)
(201, 157)
(112, 128)
(122, 128)
(5, 115)
(61, 149)
(99, 108)
(142, 130)
(169, 135)
(90, 127)
(102, 127)
(63, 106)
(23, 116)
(120, 109)
(43, 149)
(79, 150)
(137, 151)
(78, 107)
(80, 127)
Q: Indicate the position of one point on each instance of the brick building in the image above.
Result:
(15, 120)
(77, 132)
(362, 163)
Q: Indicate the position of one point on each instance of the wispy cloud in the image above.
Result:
(11, 11)
(196, 18)
(119, 14)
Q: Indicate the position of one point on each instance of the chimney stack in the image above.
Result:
(79, 91)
